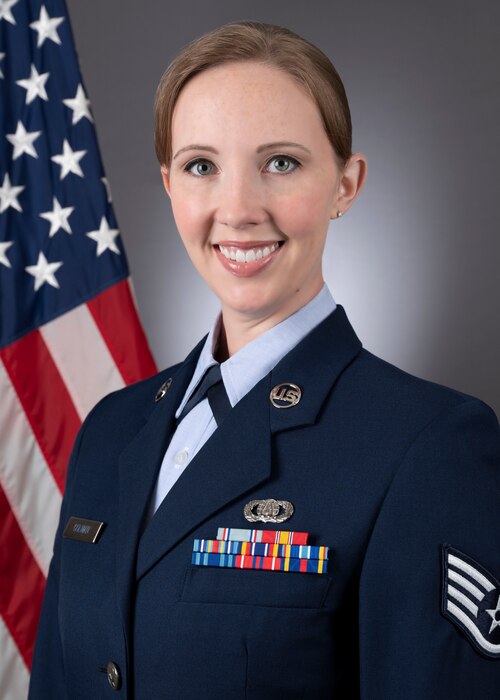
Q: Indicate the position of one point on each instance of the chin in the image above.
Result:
(252, 304)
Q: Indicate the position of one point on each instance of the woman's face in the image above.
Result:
(253, 183)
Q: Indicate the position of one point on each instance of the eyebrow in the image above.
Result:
(264, 147)
(281, 144)
(195, 147)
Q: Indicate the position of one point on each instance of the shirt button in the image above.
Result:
(113, 673)
(181, 458)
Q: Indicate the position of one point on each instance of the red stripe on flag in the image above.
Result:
(20, 596)
(115, 314)
(45, 400)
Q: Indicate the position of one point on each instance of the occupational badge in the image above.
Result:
(268, 511)
(471, 600)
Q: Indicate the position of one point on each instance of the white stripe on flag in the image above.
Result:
(14, 678)
(471, 571)
(27, 481)
(75, 343)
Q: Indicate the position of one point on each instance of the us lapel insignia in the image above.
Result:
(268, 511)
(163, 389)
(471, 600)
(285, 395)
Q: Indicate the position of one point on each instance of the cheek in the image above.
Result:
(304, 214)
(187, 218)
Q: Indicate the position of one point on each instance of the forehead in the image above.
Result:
(253, 95)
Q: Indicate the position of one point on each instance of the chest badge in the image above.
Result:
(268, 511)
(285, 395)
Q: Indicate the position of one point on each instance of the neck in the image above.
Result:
(239, 329)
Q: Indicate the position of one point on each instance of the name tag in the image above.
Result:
(83, 530)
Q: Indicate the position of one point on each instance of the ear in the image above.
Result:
(166, 178)
(352, 180)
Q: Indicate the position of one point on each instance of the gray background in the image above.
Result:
(416, 261)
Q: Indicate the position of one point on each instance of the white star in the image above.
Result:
(4, 247)
(9, 195)
(105, 238)
(43, 272)
(34, 85)
(5, 11)
(22, 141)
(47, 27)
(80, 105)
(58, 218)
(105, 182)
(495, 616)
(69, 160)
(2, 56)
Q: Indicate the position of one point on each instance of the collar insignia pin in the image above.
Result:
(163, 389)
(285, 395)
(268, 511)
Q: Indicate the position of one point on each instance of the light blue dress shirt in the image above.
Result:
(240, 373)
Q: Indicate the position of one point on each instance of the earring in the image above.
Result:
(339, 214)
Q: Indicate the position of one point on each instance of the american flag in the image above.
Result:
(69, 329)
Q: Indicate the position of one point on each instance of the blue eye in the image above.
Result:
(282, 164)
(200, 167)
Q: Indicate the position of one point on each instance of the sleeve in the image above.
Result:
(47, 674)
(429, 610)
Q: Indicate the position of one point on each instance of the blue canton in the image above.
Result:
(59, 241)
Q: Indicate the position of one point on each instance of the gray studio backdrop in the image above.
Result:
(416, 262)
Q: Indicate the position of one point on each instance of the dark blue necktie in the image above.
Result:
(212, 388)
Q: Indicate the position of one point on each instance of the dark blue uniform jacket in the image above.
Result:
(398, 476)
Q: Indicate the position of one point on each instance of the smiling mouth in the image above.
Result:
(246, 259)
(248, 255)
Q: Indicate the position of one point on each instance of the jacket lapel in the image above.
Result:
(234, 460)
(314, 365)
(138, 468)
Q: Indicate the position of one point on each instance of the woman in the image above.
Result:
(307, 440)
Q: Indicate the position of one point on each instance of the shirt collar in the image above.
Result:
(244, 369)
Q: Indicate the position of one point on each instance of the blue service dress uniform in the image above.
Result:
(398, 476)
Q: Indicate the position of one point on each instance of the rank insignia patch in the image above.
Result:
(471, 600)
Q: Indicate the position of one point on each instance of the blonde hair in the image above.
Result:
(269, 44)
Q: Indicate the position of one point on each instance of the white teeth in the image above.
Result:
(240, 255)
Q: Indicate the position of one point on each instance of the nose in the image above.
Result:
(240, 201)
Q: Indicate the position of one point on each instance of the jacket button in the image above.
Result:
(114, 677)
